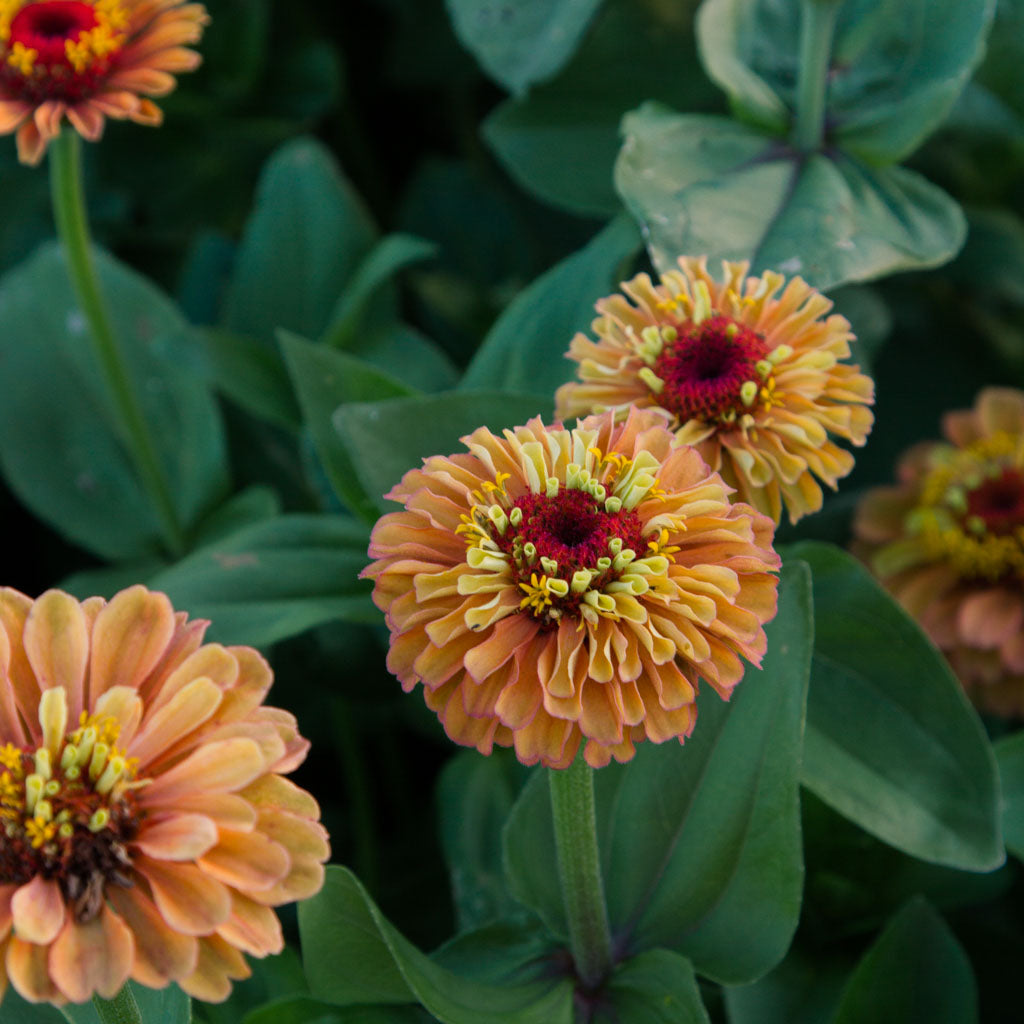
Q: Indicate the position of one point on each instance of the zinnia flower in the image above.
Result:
(752, 378)
(554, 587)
(146, 827)
(948, 542)
(88, 60)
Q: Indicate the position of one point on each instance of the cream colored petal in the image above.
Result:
(304, 879)
(219, 963)
(57, 646)
(14, 611)
(225, 810)
(299, 836)
(162, 954)
(188, 709)
(252, 927)
(128, 639)
(188, 899)
(249, 861)
(182, 837)
(272, 791)
(213, 768)
(211, 661)
(92, 957)
(29, 972)
(38, 911)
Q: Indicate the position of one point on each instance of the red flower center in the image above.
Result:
(46, 26)
(704, 370)
(999, 502)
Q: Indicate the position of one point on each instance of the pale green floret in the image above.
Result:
(43, 766)
(612, 504)
(748, 393)
(515, 516)
(549, 565)
(558, 587)
(477, 558)
(651, 379)
(581, 580)
(497, 515)
(551, 490)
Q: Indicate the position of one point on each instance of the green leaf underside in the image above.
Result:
(655, 987)
(560, 141)
(700, 842)
(324, 380)
(526, 348)
(892, 742)
(59, 444)
(386, 439)
(167, 1006)
(710, 186)
(897, 66)
(307, 234)
(524, 42)
(915, 972)
(274, 579)
(353, 955)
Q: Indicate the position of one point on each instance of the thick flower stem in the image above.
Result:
(122, 1009)
(73, 227)
(817, 27)
(579, 869)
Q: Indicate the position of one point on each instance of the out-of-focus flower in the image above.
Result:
(88, 60)
(948, 542)
(554, 587)
(753, 378)
(145, 826)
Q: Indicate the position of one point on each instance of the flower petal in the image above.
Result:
(249, 861)
(38, 911)
(57, 646)
(182, 837)
(162, 954)
(92, 957)
(188, 899)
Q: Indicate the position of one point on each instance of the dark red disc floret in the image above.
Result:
(999, 502)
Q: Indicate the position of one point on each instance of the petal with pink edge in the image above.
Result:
(38, 911)
(189, 900)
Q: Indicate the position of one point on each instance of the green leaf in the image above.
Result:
(306, 1010)
(656, 987)
(308, 233)
(915, 972)
(801, 990)
(526, 348)
(560, 141)
(274, 579)
(521, 43)
(475, 795)
(387, 257)
(353, 955)
(409, 356)
(897, 66)
(60, 447)
(718, 188)
(1010, 756)
(324, 380)
(892, 742)
(386, 439)
(250, 373)
(168, 1005)
(701, 842)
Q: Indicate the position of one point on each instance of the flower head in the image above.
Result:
(751, 377)
(554, 587)
(88, 60)
(145, 826)
(948, 542)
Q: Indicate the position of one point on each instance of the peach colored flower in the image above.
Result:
(948, 542)
(752, 378)
(88, 60)
(553, 587)
(147, 828)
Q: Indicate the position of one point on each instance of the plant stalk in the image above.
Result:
(122, 1009)
(817, 28)
(579, 870)
(69, 211)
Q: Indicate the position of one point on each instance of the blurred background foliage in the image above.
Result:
(351, 173)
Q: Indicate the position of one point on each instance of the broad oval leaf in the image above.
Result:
(700, 842)
(709, 186)
(385, 439)
(524, 42)
(916, 971)
(60, 448)
(274, 579)
(353, 955)
(892, 742)
(325, 379)
(897, 66)
(655, 987)
(526, 348)
(307, 234)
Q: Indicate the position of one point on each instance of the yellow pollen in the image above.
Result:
(22, 58)
(10, 758)
(40, 832)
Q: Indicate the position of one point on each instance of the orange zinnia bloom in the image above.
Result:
(147, 829)
(754, 379)
(88, 60)
(948, 542)
(554, 587)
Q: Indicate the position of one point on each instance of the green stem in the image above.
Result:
(817, 27)
(122, 1009)
(73, 227)
(579, 869)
